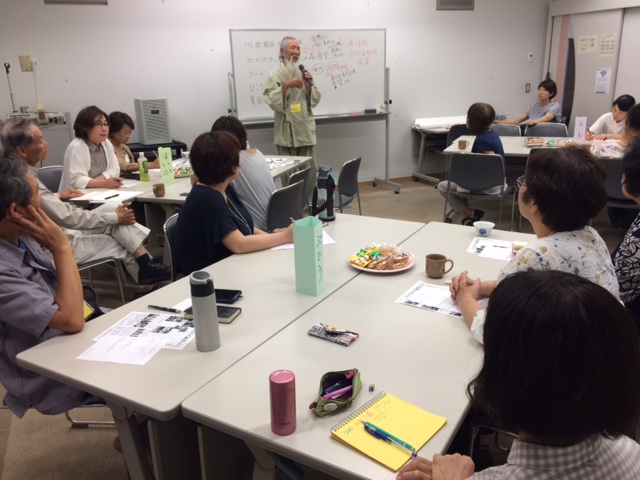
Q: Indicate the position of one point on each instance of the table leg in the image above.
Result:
(174, 445)
(421, 154)
(223, 456)
(132, 445)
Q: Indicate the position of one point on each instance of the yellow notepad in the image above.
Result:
(394, 415)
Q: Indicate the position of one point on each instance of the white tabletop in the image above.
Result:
(423, 357)
(513, 146)
(438, 124)
(175, 193)
(271, 303)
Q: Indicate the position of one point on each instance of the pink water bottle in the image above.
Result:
(282, 387)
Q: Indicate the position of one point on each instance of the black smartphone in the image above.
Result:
(225, 314)
(227, 296)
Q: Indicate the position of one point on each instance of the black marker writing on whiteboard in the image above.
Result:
(304, 70)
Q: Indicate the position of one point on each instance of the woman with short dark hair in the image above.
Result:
(545, 109)
(89, 160)
(561, 368)
(561, 191)
(213, 223)
(480, 116)
(611, 125)
(120, 127)
(255, 184)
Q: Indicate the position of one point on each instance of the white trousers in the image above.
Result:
(117, 241)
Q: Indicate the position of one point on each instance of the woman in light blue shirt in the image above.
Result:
(545, 109)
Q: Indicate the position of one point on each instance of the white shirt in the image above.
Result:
(606, 124)
(77, 163)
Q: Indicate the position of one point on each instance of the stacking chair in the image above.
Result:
(506, 130)
(477, 172)
(113, 263)
(547, 130)
(455, 132)
(51, 176)
(89, 423)
(284, 205)
(616, 199)
(83, 423)
(304, 176)
(348, 184)
(496, 431)
(170, 235)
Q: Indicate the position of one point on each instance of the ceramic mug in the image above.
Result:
(462, 144)
(436, 265)
(158, 189)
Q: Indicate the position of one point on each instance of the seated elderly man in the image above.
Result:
(99, 233)
(39, 299)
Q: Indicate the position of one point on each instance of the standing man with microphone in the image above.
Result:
(290, 92)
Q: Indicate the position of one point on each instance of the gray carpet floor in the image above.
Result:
(45, 448)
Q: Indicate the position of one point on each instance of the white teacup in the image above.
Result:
(484, 228)
(185, 154)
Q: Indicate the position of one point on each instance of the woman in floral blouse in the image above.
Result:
(561, 191)
(626, 258)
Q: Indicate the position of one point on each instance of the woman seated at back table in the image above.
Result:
(120, 127)
(561, 367)
(545, 109)
(255, 184)
(89, 161)
(213, 223)
(611, 125)
(615, 148)
(480, 116)
(561, 191)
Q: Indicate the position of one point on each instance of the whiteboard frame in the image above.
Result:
(233, 99)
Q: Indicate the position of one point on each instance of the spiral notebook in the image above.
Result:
(394, 415)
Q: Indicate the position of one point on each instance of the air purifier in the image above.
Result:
(152, 120)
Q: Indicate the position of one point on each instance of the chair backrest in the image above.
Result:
(170, 236)
(348, 179)
(284, 205)
(614, 178)
(51, 176)
(476, 171)
(456, 131)
(547, 130)
(506, 130)
(304, 176)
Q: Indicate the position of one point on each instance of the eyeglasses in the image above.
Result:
(101, 125)
(520, 181)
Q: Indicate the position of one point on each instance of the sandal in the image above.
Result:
(468, 221)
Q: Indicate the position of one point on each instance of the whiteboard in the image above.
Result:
(348, 68)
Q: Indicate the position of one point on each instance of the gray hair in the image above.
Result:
(15, 133)
(14, 186)
(284, 43)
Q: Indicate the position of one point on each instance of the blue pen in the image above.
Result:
(387, 437)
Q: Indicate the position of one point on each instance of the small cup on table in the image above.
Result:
(483, 228)
(158, 189)
(463, 144)
(436, 264)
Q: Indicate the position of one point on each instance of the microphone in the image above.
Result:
(303, 70)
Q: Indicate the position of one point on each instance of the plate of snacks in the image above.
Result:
(382, 258)
(182, 172)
